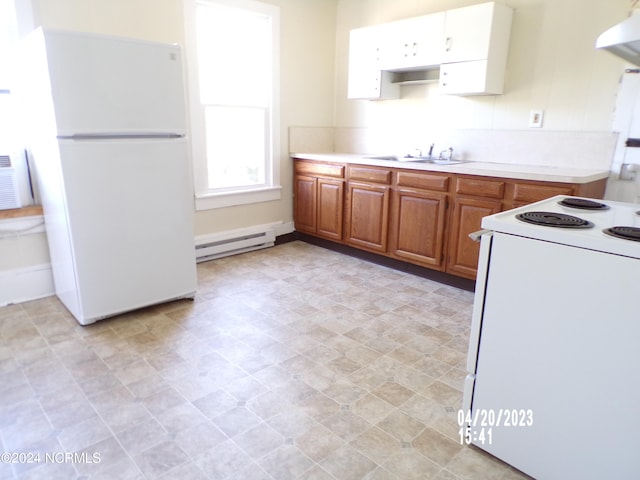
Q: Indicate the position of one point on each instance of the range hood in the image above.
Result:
(623, 39)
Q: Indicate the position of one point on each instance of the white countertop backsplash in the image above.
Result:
(529, 148)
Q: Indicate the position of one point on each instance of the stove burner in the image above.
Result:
(627, 233)
(583, 204)
(553, 219)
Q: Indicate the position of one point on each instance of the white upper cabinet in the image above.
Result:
(466, 78)
(414, 43)
(467, 33)
(367, 80)
(476, 45)
(469, 44)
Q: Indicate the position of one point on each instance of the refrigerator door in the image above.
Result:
(111, 85)
(129, 209)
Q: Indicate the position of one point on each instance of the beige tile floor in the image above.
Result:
(293, 362)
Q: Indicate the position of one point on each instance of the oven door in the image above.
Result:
(558, 360)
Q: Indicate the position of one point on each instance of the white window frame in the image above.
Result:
(207, 198)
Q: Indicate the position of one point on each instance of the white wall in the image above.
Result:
(552, 65)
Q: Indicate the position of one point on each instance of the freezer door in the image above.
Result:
(113, 85)
(130, 217)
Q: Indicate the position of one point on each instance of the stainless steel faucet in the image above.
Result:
(446, 154)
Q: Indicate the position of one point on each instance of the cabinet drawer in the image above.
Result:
(479, 187)
(423, 180)
(321, 169)
(532, 193)
(368, 174)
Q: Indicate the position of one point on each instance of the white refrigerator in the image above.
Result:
(107, 127)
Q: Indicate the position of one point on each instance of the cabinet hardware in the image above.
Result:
(447, 43)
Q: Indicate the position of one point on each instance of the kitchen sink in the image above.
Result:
(383, 157)
(398, 158)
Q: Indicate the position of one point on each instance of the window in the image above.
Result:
(232, 54)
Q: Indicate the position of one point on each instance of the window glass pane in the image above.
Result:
(236, 147)
(234, 56)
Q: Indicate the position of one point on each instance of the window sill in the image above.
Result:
(230, 199)
(33, 211)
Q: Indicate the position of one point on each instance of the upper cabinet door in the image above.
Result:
(414, 43)
(476, 32)
(467, 33)
(366, 78)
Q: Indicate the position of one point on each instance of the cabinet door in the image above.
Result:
(330, 208)
(466, 218)
(467, 32)
(366, 79)
(305, 207)
(524, 193)
(417, 227)
(414, 43)
(367, 216)
(467, 78)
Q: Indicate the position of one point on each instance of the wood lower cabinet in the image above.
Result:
(367, 216)
(417, 228)
(330, 200)
(466, 217)
(474, 198)
(421, 217)
(418, 218)
(525, 193)
(367, 207)
(319, 199)
(305, 204)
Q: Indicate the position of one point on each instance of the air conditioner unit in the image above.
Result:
(15, 191)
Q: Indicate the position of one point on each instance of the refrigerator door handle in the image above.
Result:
(121, 136)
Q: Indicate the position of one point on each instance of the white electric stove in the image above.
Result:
(554, 363)
(574, 221)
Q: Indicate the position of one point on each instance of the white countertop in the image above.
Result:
(501, 170)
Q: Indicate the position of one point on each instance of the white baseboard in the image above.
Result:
(24, 284)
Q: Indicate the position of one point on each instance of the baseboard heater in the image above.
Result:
(223, 245)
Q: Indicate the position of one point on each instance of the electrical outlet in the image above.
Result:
(535, 118)
(627, 172)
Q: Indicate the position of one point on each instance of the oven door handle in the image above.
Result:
(475, 236)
